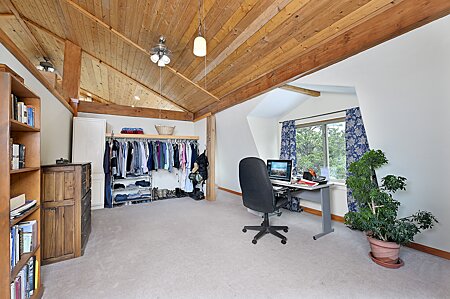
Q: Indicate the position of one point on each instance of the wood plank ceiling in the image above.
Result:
(247, 41)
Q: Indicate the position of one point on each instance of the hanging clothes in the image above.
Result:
(107, 170)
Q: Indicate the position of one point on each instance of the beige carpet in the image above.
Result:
(181, 248)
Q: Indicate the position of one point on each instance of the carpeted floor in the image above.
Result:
(180, 248)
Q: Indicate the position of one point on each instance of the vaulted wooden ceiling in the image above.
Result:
(253, 45)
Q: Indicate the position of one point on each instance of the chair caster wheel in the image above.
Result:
(283, 241)
(285, 230)
(244, 230)
(254, 241)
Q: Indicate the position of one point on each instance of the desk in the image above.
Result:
(319, 194)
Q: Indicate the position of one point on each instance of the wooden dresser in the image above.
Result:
(66, 216)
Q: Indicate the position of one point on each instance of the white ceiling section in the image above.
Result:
(277, 102)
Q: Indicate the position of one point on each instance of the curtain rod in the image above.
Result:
(307, 117)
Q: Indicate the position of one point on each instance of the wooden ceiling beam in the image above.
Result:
(94, 97)
(23, 59)
(62, 40)
(391, 23)
(113, 109)
(308, 92)
(132, 43)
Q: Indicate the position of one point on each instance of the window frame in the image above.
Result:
(326, 153)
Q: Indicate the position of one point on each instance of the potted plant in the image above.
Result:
(376, 213)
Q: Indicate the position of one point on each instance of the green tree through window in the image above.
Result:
(321, 146)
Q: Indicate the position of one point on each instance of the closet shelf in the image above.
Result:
(156, 137)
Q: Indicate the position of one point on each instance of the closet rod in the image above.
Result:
(318, 115)
(145, 136)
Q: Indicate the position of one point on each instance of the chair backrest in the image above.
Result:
(257, 190)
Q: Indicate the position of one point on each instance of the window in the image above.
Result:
(322, 145)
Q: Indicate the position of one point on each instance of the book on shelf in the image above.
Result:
(24, 283)
(21, 112)
(18, 156)
(29, 204)
(17, 202)
(23, 239)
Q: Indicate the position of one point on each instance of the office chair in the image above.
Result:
(258, 195)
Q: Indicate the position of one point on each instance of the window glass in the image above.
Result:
(320, 146)
(310, 148)
(336, 150)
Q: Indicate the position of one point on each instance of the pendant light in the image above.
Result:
(200, 41)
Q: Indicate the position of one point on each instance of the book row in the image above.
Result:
(17, 155)
(23, 239)
(21, 112)
(26, 281)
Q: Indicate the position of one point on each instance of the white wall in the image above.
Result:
(162, 179)
(404, 94)
(234, 142)
(265, 135)
(56, 120)
(326, 103)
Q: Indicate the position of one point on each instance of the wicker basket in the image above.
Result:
(165, 130)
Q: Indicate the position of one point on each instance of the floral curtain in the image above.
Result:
(356, 144)
(288, 143)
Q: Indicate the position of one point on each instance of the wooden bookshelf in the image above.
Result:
(21, 127)
(24, 216)
(14, 182)
(22, 170)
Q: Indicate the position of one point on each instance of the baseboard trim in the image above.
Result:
(430, 250)
(416, 246)
(319, 213)
(230, 191)
(305, 209)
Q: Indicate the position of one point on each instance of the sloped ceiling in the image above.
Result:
(253, 45)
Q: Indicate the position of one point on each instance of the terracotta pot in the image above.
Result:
(386, 252)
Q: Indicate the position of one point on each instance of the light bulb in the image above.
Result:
(161, 63)
(165, 59)
(200, 46)
(154, 58)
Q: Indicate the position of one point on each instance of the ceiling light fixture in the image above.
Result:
(160, 53)
(137, 98)
(200, 41)
(46, 66)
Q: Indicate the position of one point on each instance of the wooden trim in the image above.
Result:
(230, 191)
(202, 117)
(416, 246)
(113, 109)
(308, 92)
(71, 70)
(132, 43)
(385, 25)
(319, 213)
(429, 250)
(16, 52)
(211, 152)
(147, 136)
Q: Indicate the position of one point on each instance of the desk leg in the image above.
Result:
(326, 213)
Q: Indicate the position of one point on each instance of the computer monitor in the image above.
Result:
(280, 170)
